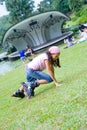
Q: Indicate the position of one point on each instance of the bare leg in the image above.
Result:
(21, 88)
(42, 81)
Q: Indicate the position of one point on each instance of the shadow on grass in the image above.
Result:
(48, 88)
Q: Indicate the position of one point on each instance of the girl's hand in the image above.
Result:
(57, 84)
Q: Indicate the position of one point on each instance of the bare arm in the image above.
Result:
(50, 70)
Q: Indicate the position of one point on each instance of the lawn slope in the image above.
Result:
(52, 108)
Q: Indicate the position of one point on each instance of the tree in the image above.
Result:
(75, 5)
(61, 5)
(4, 25)
(19, 9)
(44, 6)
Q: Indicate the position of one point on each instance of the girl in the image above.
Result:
(34, 74)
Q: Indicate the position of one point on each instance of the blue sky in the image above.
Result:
(3, 10)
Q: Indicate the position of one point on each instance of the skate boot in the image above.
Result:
(29, 88)
(19, 94)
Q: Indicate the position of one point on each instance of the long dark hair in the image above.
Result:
(56, 62)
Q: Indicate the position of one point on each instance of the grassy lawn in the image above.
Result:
(52, 108)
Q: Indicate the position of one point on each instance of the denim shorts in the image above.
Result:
(32, 75)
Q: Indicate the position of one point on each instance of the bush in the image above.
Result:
(82, 19)
(73, 28)
(78, 17)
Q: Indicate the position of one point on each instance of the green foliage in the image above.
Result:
(82, 19)
(52, 108)
(78, 17)
(4, 25)
(83, 14)
(63, 6)
(73, 28)
(19, 10)
(75, 5)
(44, 6)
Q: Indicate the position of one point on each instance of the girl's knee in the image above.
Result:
(49, 80)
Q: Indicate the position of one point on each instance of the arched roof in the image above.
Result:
(37, 31)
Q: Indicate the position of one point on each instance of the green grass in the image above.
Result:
(52, 108)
